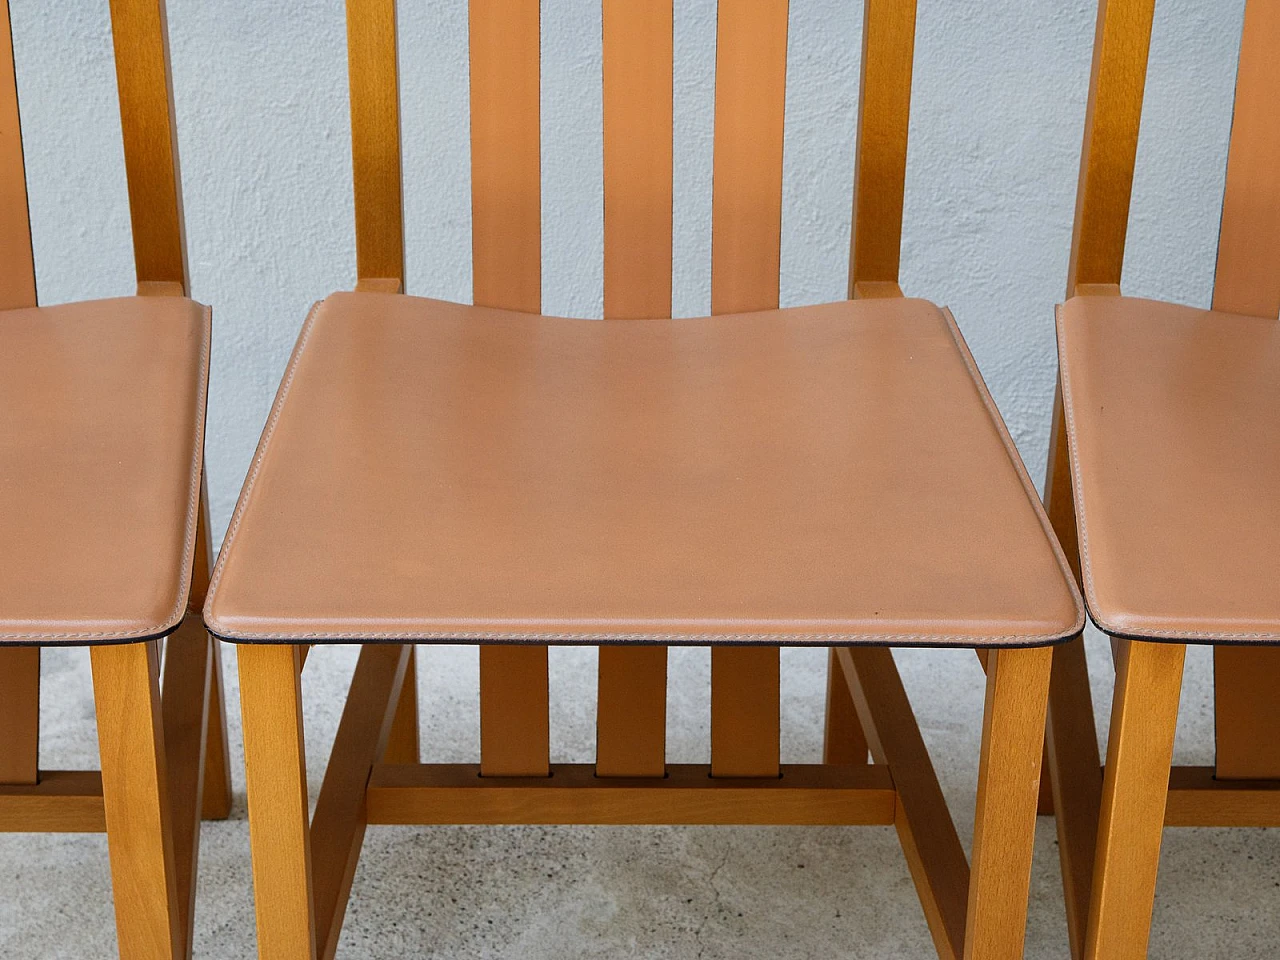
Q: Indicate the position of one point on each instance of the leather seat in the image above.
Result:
(1173, 419)
(101, 420)
(830, 474)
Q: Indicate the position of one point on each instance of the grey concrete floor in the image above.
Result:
(569, 892)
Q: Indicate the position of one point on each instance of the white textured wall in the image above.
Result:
(997, 115)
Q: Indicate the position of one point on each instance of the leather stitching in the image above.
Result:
(170, 623)
(1082, 527)
(260, 454)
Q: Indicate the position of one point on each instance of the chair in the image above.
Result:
(103, 523)
(1165, 430)
(833, 476)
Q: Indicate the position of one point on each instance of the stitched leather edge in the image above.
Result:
(789, 639)
(1028, 488)
(1260, 638)
(174, 619)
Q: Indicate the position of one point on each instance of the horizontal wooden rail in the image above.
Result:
(808, 794)
(1196, 799)
(64, 801)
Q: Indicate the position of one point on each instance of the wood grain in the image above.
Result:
(802, 794)
(136, 800)
(745, 711)
(1134, 792)
(276, 780)
(506, 182)
(746, 185)
(929, 840)
(1004, 829)
(884, 112)
(375, 139)
(141, 39)
(17, 263)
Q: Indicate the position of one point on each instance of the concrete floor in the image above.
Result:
(573, 892)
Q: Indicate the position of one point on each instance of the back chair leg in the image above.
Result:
(126, 686)
(216, 800)
(1134, 793)
(276, 778)
(19, 715)
(1004, 827)
(1075, 775)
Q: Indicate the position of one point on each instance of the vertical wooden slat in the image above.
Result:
(506, 193)
(514, 720)
(1248, 275)
(506, 240)
(884, 108)
(637, 71)
(1112, 119)
(745, 712)
(746, 191)
(1247, 718)
(150, 140)
(746, 238)
(19, 714)
(17, 266)
(135, 792)
(843, 740)
(375, 139)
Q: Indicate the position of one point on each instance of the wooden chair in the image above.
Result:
(834, 476)
(1165, 428)
(103, 523)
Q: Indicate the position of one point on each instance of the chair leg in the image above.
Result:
(276, 778)
(216, 801)
(126, 686)
(1004, 827)
(1134, 793)
(843, 739)
(402, 746)
(19, 714)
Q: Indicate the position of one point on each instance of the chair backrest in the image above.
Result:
(751, 68)
(1248, 271)
(150, 151)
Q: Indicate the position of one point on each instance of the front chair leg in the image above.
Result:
(1135, 789)
(276, 778)
(1004, 828)
(126, 688)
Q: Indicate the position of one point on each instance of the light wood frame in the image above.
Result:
(303, 865)
(1110, 818)
(161, 711)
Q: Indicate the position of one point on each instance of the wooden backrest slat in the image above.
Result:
(506, 186)
(141, 41)
(746, 187)
(637, 72)
(1248, 274)
(17, 266)
(1112, 120)
(375, 139)
(888, 47)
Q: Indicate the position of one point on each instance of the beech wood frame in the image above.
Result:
(1110, 818)
(161, 710)
(303, 865)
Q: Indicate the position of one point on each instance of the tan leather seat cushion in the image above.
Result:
(1173, 418)
(101, 426)
(826, 474)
